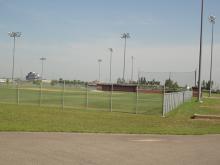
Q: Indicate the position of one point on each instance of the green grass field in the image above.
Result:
(29, 116)
(49, 119)
(150, 104)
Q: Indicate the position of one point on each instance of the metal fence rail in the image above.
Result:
(175, 99)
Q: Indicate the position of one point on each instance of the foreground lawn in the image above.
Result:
(34, 118)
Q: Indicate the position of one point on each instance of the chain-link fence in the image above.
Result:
(81, 97)
(175, 99)
(175, 87)
(146, 96)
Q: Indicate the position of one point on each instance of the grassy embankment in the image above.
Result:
(34, 118)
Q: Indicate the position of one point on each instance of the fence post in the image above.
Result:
(41, 84)
(18, 94)
(183, 96)
(63, 94)
(163, 99)
(136, 107)
(111, 97)
(87, 96)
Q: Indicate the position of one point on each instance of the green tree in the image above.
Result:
(120, 81)
(170, 84)
(54, 82)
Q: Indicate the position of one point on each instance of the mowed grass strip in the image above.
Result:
(48, 119)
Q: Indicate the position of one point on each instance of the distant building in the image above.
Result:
(32, 76)
(46, 81)
(127, 88)
(117, 87)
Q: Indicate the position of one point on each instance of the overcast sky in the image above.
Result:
(73, 34)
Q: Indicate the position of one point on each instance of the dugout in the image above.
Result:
(196, 91)
(117, 87)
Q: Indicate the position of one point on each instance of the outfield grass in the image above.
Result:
(49, 119)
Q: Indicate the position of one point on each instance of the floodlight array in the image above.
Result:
(212, 19)
(14, 34)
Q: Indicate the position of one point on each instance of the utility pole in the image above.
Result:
(200, 53)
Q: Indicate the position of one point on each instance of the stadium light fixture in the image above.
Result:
(200, 52)
(99, 62)
(14, 35)
(42, 66)
(212, 21)
(124, 36)
(110, 76)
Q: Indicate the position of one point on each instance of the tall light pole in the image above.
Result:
(42, 67)
(212, 21)
(124, 36)
(132, 68)
(14, 35)
(110, 76)
(99, 61)
(200, 53)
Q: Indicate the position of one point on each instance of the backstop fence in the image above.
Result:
(148, 96)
